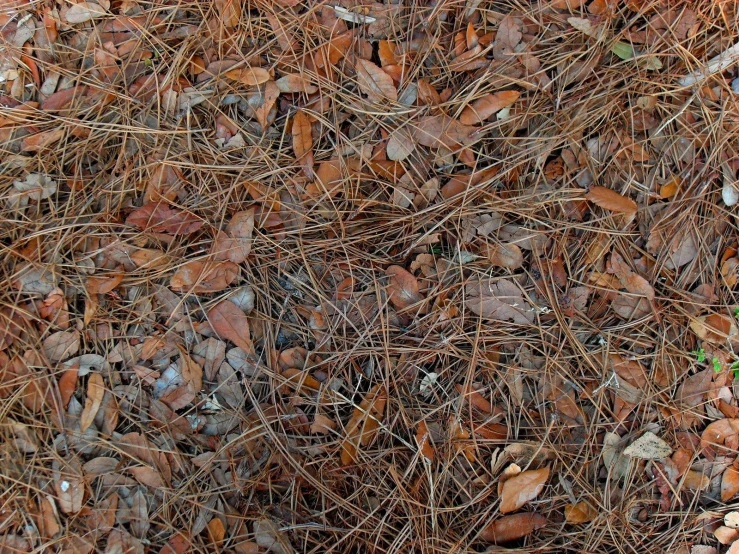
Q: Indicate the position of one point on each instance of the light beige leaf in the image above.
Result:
(374, 82)
(400, 145)
(611, 200)
(484, 107)
(84, 11)
(648, 447)
(95, 393)
(521, 488)
(267, 535)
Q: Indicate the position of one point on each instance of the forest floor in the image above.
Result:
(432, 276)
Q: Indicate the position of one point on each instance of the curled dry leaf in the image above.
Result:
(203, 277)
(611, 200)
(484, 107)
(160, 218)
(93, 400)
(501, 300)
(374, 82)
(582, 512)
(402, 287)
(229, 322)
(364, 423)
(295, 82)
(512, 527)
(423, 440)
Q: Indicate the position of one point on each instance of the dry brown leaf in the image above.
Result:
(302, 134)
(137, 445)
(726, 535)
(41, 141)
(484, 107)
(203, 277)
(250, 76)
(84, 11)
(69, 485)
(61, 345)
(216, 531)
(364, 423)
(234, 244)
(49, 518)
(423, 440)
(147, 476)
(438, 131)
(714, 328)
(178, 543)
(402, 287)
(729, 484)
(295, 82)
(510, 528)
(611, 200)
(518, 490)
(400, 145)
(724, 432)
(95, 393)
(229, 322)
(374, 82)
(322, 425)
(504, 255)
(501, 300)
(582, 512)
(160, 218)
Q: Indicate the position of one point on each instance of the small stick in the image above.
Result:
(714, 65)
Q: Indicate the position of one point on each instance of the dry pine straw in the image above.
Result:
(281, 276)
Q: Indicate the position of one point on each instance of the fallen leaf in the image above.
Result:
(730, 486)
(229, 322)
(147, 476)
(250, 76)
(160, 218)
(402, 287)
(374, 82)
(322, 425)
(295, 82)
(726, 535)
(41, 141)
(482, 108)
(400, 145)
(611, 200)
(69, 485)
(267, 535)
(510, 528)
(200, 277)
(442, 131)
(498, 299)
(61, 345)
(364, 423)
(697, 481)
(714, 328)
(648, 447)
(582, 512)
(84, 11)
(724, 432)
(95, 393)
(518, 490)
(235, 244)
(424, 442)
(303, 142)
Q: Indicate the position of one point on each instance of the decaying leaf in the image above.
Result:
(648, 447)
(498, 299)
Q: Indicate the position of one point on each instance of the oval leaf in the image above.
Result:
(484, 107)
(611, 200)
(374, 82)
(518, 490)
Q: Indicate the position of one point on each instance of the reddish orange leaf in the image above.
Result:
(484, 107)
(424, 442)
(611, 200)
(303, 142)
(160, 218)
(518, 490)
(364, 423)
(402, 287)
(510, 528)
(227, 319)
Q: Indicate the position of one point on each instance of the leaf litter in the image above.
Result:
(363, 276)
